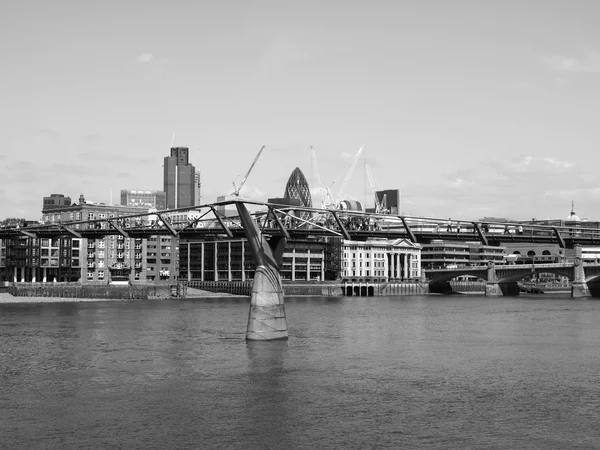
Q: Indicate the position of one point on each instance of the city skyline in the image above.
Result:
(469, 109)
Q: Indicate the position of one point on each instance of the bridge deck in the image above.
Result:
(200, 222)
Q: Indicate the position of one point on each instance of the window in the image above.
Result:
(101, 263)
(101, 275)
(90, 275)
(91, 216)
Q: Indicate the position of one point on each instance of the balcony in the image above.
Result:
(91, 256)
(91, 265)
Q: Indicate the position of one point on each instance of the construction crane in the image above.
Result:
(348, 175)
(380, 206)
(237, 189)
(327, 200)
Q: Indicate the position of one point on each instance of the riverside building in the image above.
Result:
(231, 260)
(109, 259)
(439, 254)
(381, 260)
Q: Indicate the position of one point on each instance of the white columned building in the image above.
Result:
(381, 260)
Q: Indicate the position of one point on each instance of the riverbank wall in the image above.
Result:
(198, 289)
(289, 287)
(92, 291)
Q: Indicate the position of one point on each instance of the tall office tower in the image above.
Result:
(179, 179)
(197, 184)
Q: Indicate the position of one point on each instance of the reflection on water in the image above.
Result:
(387, 372)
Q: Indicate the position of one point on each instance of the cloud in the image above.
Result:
(145, 58)
(91, 137)
(557, 163)
(588, 63)
(42, 134)
(285, 53)
(528, 166)
(102, 156)
(516, 188)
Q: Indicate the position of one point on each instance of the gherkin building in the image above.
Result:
(297, 188)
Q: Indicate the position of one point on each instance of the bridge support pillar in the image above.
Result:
(266, 318)
(579, 287)
(492, 288)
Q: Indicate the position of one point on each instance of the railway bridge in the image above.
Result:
(502, 279)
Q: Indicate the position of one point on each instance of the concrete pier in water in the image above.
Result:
(266, 318)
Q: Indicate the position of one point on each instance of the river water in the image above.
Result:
(428, 372)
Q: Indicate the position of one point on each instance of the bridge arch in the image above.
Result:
(448, 276)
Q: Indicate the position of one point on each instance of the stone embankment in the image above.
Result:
(6, 298)
(60, 293)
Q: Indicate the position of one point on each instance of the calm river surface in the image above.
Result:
(417, 372)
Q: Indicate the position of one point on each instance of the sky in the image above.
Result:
(471, 109)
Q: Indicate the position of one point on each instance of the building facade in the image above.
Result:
(179, 179)
(144, 199)
(390, 200)
(197, 186)
(107, 259)
(381, 260)
(56, 201)
(441, 254)
(231, 260)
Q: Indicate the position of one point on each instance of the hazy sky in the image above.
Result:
(470, 108)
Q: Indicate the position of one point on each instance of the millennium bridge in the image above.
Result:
(198, 222)
(268, 226)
